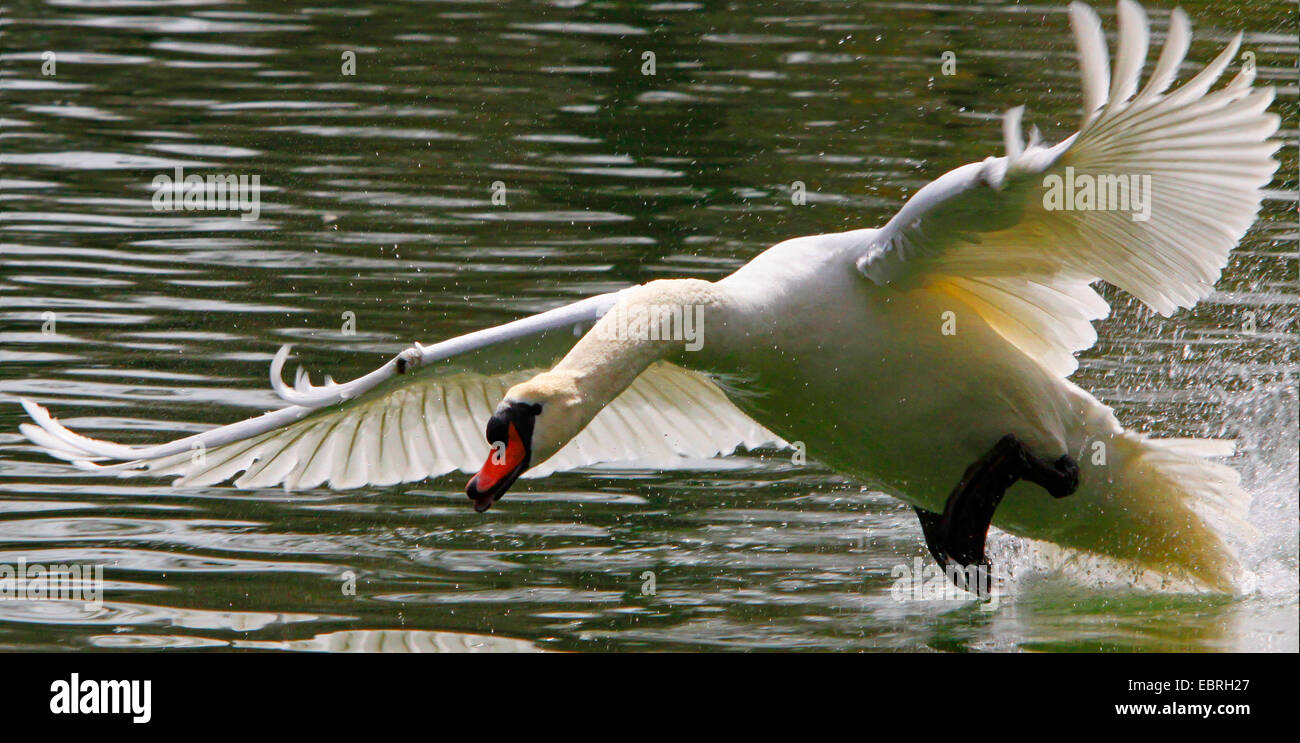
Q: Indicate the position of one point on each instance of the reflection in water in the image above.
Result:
(377, 201)
(349, 641)
(398, 641)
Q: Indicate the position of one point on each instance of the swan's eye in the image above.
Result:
(521, 414)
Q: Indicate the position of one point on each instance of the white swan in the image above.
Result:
(844, 342)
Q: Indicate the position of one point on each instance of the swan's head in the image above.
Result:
(534, 420)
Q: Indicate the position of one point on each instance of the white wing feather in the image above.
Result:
(434, 425)
(393, 426)
(306, 399)
(983, 232)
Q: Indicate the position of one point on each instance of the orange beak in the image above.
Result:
(504, 464)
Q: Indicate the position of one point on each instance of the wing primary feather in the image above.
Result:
(1132, 51)
(1177, 42)
(1093, 62)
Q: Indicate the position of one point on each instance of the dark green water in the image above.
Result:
(376, 201)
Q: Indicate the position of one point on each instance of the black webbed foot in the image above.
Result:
(956, 537)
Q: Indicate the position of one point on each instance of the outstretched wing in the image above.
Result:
(1175, 182)
(394, 425)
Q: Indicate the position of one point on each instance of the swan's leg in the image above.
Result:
(932, 528)
(957, 535)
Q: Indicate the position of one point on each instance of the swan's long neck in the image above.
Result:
(614, 353)
(650, 322)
